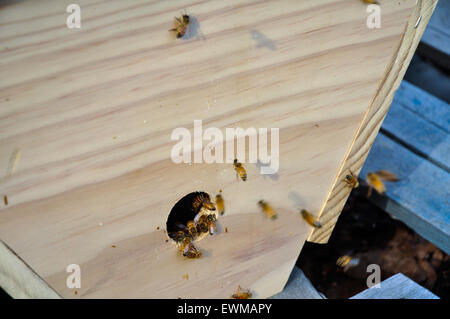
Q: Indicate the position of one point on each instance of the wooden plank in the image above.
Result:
(424, 104)
(427, 76)
(18, 280)
(421, 198)
(437, 34)
(93, 109)
(298, 286)
(396, 287)
(405, 124)
(367, 131)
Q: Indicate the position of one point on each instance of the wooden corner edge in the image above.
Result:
(19, 280)
(371, 123)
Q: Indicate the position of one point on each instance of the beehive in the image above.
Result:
(91, 112)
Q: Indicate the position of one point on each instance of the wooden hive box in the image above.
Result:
(91, 111)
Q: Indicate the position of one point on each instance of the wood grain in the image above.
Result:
(379, 105)
(92, 111)
(396, 287)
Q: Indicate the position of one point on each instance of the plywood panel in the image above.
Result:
(92, 111)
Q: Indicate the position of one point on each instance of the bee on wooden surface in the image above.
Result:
(351, 180)
(241, 294)
(240, 170)
(309, 218)
(192, 229)
(211, 220)
(202, 224)
(370, 1)
(375, 181)
(190, 251)
(347, 262)
(220, 204)
(202, 200)
(178, 236)
(181, 25)
(267, 209)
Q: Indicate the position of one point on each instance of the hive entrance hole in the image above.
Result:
(182, 212)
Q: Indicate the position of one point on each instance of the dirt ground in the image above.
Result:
(366, 232)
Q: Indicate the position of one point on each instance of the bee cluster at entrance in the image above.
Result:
(193, 218)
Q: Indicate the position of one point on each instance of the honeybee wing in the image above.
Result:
(387, 176)
(212, 229)
(309, 218)
(179, 225)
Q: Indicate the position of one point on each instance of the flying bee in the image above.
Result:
(202, 200)
(190, 251)
(347, 262)
(181, 25)
(211, 220)
(309, 218)
(351, 180)
(220, 205)
(240, 170)
(241, 294)
(267, 209)
(375, 181)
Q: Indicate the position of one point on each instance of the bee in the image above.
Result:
(371, 1)
(181, 25)
(211, 220)
(192, 229)
(346, 261)
(241, 294)
(267, 209)
(178, 236)
(202, 200)
(240, 170)
(190, 251)
(220, 204)
(202, 224)
(309, 218)
(375, 181)
(351, 180)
